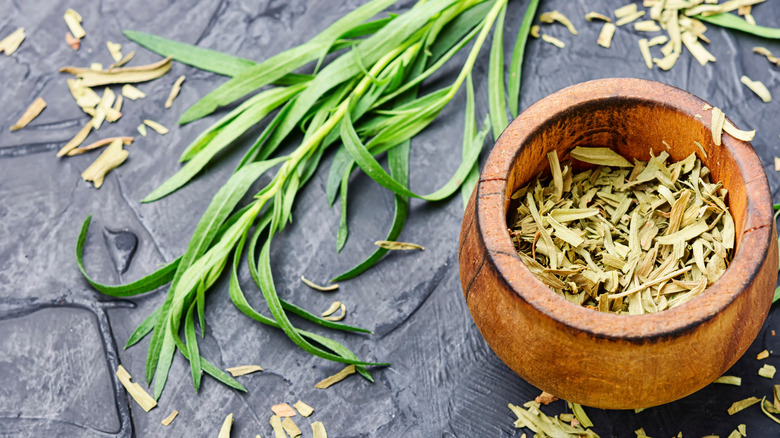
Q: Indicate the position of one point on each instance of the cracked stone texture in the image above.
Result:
(62, 340)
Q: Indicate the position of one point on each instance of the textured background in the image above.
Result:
(59, 338)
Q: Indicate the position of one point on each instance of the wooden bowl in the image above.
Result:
(601, 359)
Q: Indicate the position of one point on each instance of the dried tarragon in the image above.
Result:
(303, 409)
(315, 286)
(767, 371)
(224, 431)
(757, 87)
(243, 370)
(338, 377)
(544, 425)
(73, 20)
(624, 238)
(283, 410)
(763, 355)
(393, 245)
(30, 113)
(141, 73)
(174, 91)
(169, 419)
(135, 390)
(12, 42)
(112, 157)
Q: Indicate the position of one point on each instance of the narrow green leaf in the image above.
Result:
(496, 98)
(149, 283)
(198, 57)
(518, 54)
(245, 120)
(144, 328)
(398, 161)
(368, 163)
(343, 233)
(277, 66)
(192, 347)
(456, 29)
(732, 21)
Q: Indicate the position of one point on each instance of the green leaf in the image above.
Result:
(518, 54)
(496, 98)
(149, 283)
(144, 329)
(343, 233)
(192, 347)
(398, 161)
(204, 59)
(245, 120)
(470, 139)
(277, 66)
(456, 29)
(368, 163)
(731, 21)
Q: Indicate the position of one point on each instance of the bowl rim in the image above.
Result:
(491, 200)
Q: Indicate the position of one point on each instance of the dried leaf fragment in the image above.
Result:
(646, 26)
(174, 91)
(85, 97)
(553, 16)
(738, 133)
(554, 41)
(630, 18)
(716, 125)
(742, 428)
(644, 48)
(340, 316)
(141, 73)
(768, 54)
(545, 398)
(243, 370)
(392, 245)
(291, 428)
(283, 410)
(99, 144)
(580, 414)
(599, 156)
(72, 42)
(76, 140)
(606, 34)
(132, 93)
(626, 10)
(12, 42)
(30, 113)
(697, 49)
(135, 390)
(318, 430)
(142, 130)
(742, 404)
(777, 164)
(590, 16)
(303, 409)
(757, 87)
(112, 157)
(169, 419)
(534, 31)
(767, 371)
(122, 61)
(276, 424)
(729, 380)
(338, 377)
(224, 431)
(315, 286)
(162, 130)
(73, 20)
(115, 49)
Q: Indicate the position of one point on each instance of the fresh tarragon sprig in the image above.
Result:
(366, 98)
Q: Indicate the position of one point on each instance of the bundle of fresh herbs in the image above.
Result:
(365, 98)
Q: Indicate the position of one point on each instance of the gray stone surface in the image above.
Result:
(59, 338)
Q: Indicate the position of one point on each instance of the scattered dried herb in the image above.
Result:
(644, 48)
(283, 410)
(632, 239)
(132, 93)
(398, 246)
(318, 430)
(768, 54)
(303, 409)
(72, 42)
(112, 157)
(338, 377)
(99, 144)
(762, 355)
(605, 37)
(243, 370)
(169, 419)
(73, 20)
(646, 26)
(716, 125)
(554, 41)
(141, 130)
(76, 140)
(757, 87)
(764, 409)
(553, 16)
(174, 91)
(545, 398)
(30, 113)
(160, 129)
(115, 49)
(767, 371)
(135, 390)
(224, 431)
(141, 73)
(291, 428)
(729, 380)
(590, 16)
(742, 404)
(12, 42)
(314, 286)
(545, 426)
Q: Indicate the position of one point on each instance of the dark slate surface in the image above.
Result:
(59, 338)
